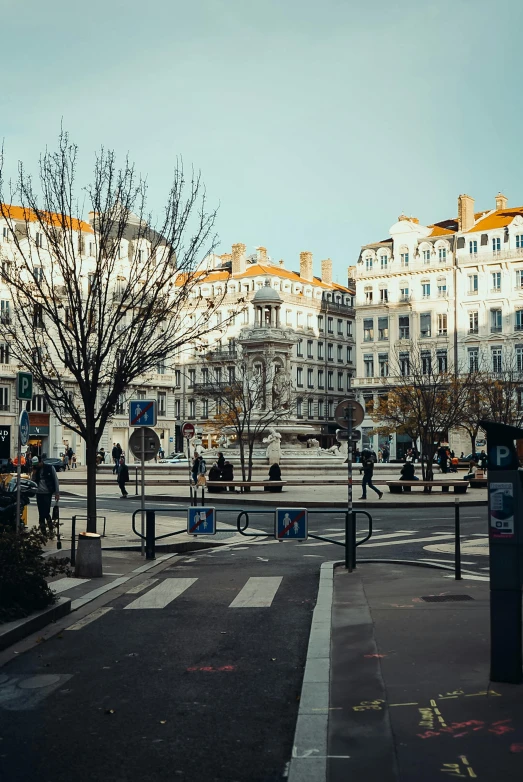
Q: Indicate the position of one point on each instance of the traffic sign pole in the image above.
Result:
(143, 491)
(190, 473)
(350, 534)
(18, 474)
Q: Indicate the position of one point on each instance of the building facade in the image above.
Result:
(455, 286)
(300, 323)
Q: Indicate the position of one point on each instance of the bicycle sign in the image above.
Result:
(201, 521)
(291, 524)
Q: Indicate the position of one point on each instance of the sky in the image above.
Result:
(314, 124)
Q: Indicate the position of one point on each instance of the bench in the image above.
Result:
(459, 487)
(245, 486)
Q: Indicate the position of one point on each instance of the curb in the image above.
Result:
(309, 751)
(11, 632)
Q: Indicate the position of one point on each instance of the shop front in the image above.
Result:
(39, 434)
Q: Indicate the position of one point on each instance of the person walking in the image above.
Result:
(198, 468)
(70, 454)
(443, 458)
(385, 453)
(46, 479)
(122, 476)
(367, 463)
(115, 454)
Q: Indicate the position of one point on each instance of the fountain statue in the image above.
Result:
(273, 441)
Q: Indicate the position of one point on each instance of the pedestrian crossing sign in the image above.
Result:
(201, 521)
(291, 524)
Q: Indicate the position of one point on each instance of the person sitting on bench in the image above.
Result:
(228, 474)
(215, 475)
(407, 472)
(274, 475)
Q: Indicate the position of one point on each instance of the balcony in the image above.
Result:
(221, 355)
(219, 387)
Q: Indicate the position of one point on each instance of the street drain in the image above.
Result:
(446, 598)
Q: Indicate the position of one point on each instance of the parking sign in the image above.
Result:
(291, 524)
(201, 521)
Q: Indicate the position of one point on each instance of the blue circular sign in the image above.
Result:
(24, 427)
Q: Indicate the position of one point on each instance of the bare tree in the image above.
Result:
(245, 403)
(97, 305)
(424, 400)
(501, 389)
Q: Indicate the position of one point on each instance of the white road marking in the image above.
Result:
(163, 594)
(470, 548)
(467, 577)
(258, 592)
(89, 618)
(63, 584)
(140, 587)
(97, 592)
(434, 538)
(149, 565)
(445, 561)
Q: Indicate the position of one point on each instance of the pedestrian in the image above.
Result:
(483, 461)
(215, 475)
(357, 455)
(199, 468)
(28, 461)
(70, 454)
(367, 462)
(65, 462)
(122, 476)
(221, 460)
(374, 457)
(73, 462)
(462, 455)
(46, 479)
(115, 454)
(9, 466)
(380, 455)
(274, 475)
(443, 459)
(161, 453)
(228, 474)
(102, 455)
(385, 453)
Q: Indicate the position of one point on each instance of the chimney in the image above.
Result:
(306, 266)
(262, 254)
(465, 212)
(238, 258)
(501, 201)
(326, 271)
(351, 276)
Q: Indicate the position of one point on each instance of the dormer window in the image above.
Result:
(384, 261)
(425, 254)
(404, 259)
(368, 264)
(442, 254)
(496, 245)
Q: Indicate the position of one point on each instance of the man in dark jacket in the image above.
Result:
(123, 476)
(46, 479)
(367, 463)
(115, 455)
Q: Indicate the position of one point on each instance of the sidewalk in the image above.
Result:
(410, 696)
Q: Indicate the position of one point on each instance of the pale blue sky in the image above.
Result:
(315, 124)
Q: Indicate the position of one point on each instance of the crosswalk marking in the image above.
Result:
(140, 587)
(163, 594)
(63, 584)
(86, 620)
(434, 538)
(258, 592)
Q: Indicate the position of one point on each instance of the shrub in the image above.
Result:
(24, 573)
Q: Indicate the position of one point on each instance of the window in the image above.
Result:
(383, 328)
(340, 381)
(384, 261)
(309, 348)
(340, 353)
(321, 414)
(329, 325)
(368, 402)
(368, 329)
(218, 406)
(192, 377)
(5, 312)
(473, 283)
(495, 281)
(518, 326)
(519, 240)
(404, 259)
(192, 408)
(321, 383)
(442, 254)
(320, 322)
(310, 379)
(160, 367)
(38, 274)
(5, 233)
(288, 317)
(368, 264)
(349, 328)
(425, 290)
(4, 353)
(330, 357)
(473, 359)
(426, 256)
(404, 294)
(368, 295)
(495, 321)
(299, 348)
(218, 318)
(473, 247)
(368, 364)
(4, 398)
(310, 408)
(349, 355)
(404, 326)
(519, 278)
(404, 361)
(383, 364)
(39, 404)
(218, 374)
(384, 296)
(162, 403)
(519, 358)
(442, 325)
(205, 408)
(441, 357)
(245, 316)
(330, 409)
(496, 245)
(320, 350)
(92, 249)
(177, 378)
(299, 408)
(299, 377)
(330, 380)
(38, 316)
(426, 363)
(39, 239)
(340, 327)
(473, 322)
(231, 373)
(442, 289)
(496, 359)
(177, 412)
(309, 321)
(299, 320)
(349, 381)
(424, 324)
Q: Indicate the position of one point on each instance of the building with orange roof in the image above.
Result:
(455, 286)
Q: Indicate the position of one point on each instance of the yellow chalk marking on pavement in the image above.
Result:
(402, 704)
(89, 618)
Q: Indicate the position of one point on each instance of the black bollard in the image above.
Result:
(150, 534)
(457, 543)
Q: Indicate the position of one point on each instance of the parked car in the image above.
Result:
(56, 463)
(178, 459)
(472, 457)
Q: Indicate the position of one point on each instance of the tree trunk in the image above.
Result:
(473, 443)
(249, 464)
(242, 456)
(90, 458)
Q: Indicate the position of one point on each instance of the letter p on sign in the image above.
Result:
(24, 385)
(503, 455)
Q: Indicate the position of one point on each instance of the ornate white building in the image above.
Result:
(300, 323)
(455, 286)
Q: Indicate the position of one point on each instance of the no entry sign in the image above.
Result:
(188, 430)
